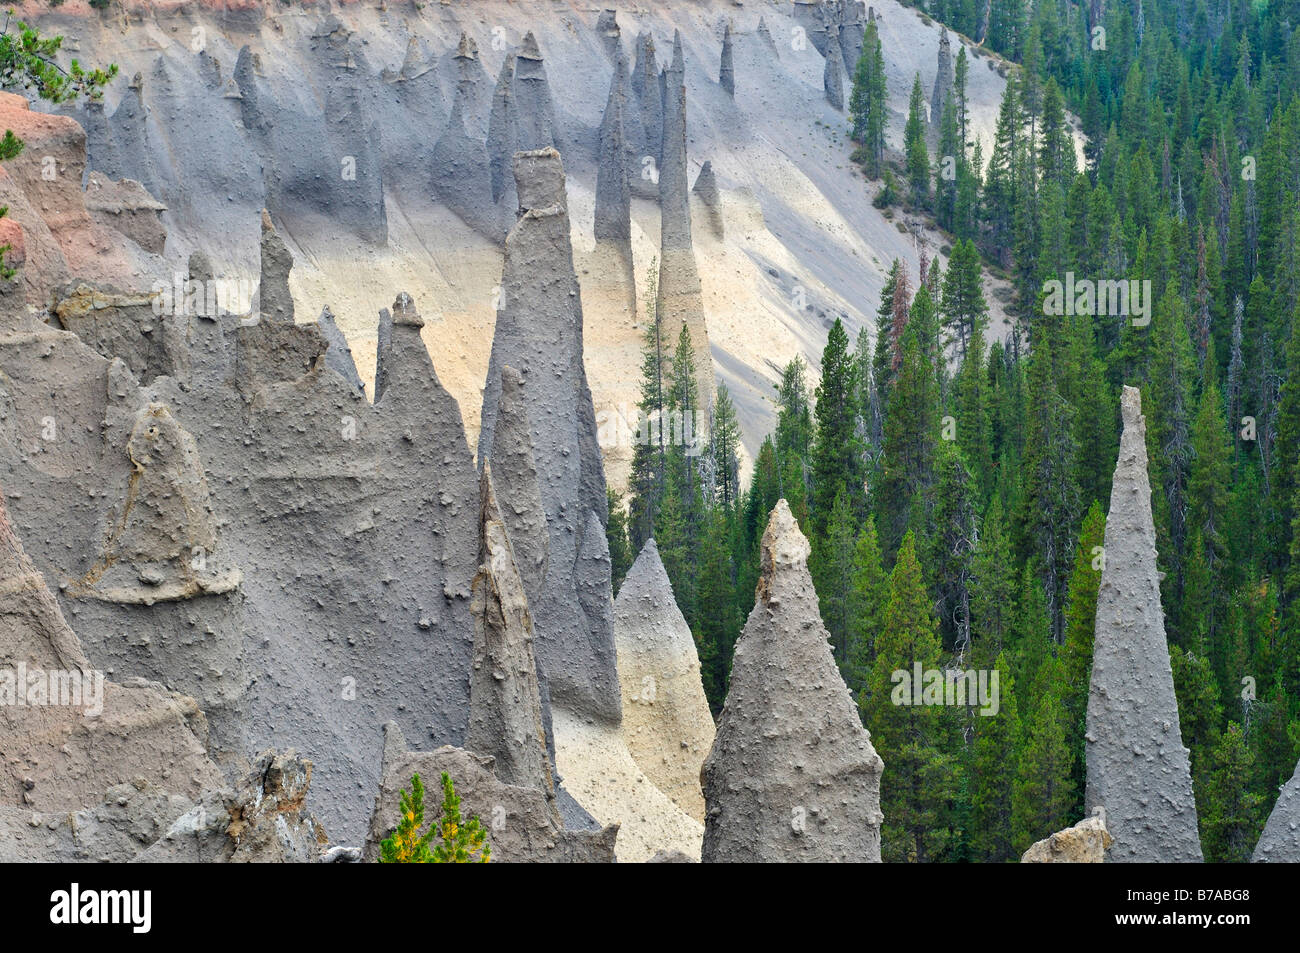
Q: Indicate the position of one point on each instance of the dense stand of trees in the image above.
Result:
(954, 482)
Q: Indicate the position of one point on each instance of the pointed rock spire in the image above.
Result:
(503, 134)
(789, 741)
(274, 299)
(161, 543)
(613, 188)
(943, 80)
(533, 98)
(383, 352)
(539, 332)
(680, 297)
(666, 719)
(339, 356)
(1137, 767)
(727, 69)
(505, 716)
(706, 187)
(645, 85)
(766, 35)
(833, 75)
(1280, 842)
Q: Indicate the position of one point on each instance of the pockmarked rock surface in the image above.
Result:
(1280, 841)
(792, 775)
(1138, 769)
(1084, 843)
(67, 733)
(505, 718)
(666, 718)
(539, 333)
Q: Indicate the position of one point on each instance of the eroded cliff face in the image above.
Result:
(414, 112)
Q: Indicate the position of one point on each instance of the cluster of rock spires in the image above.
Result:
(263, 561)
(837, 29)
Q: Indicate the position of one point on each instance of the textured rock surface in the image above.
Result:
(63, 756)
(274, 298)
(520, 824)
(833, 75)
(1280, 842)
(613, 189)
(1137, 765)
(792, 775)
(666, 719)
(339, 356)
(263, 820)
(539, 332)
(505, 717)
(1084, 843)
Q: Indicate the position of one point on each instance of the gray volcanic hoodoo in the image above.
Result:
(274, 298)
(539, 332)
(645, 85)
(613, 189)
(706, 187)
(503, 133)
(666, 719)
(766, 36)
(833, 75)
(339, 356)
(533, 98)
(727, 71)
(383, 352)
(1137, 765)
(792, 775)
(1280, 842)
(943, 81)
(505, 707)
(680, 297)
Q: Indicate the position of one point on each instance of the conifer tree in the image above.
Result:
(918, 155)
(915, 738)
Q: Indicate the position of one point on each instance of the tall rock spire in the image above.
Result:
(943, 81)
(613, 189)
(792, 775)
(680, 298)
(503, 134)
(727, 69)
(833, 74)
(666, 719)
(1137, 766)
(505, 707)
(533, 98)
(645, 86)
(539, 332)
(274, 300)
